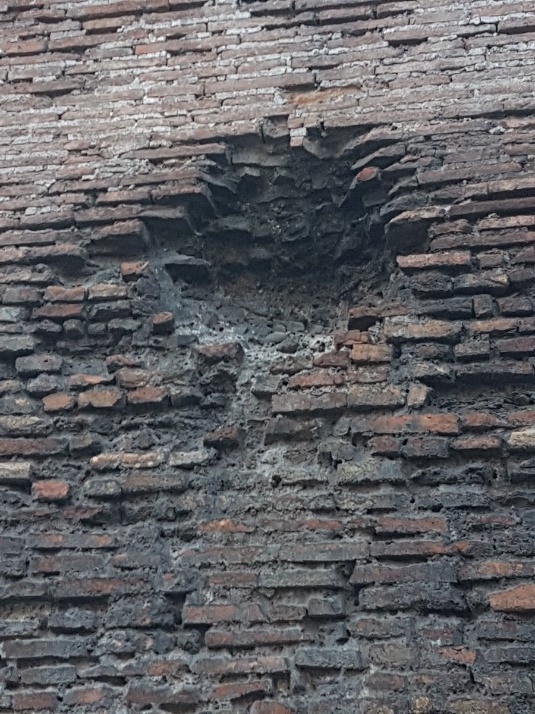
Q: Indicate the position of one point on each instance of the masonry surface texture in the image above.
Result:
(267, 342)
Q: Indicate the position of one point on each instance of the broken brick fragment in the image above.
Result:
(226, 437)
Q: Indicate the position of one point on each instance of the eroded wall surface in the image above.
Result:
(266, 356)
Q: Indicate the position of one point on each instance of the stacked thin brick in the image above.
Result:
(210, 507)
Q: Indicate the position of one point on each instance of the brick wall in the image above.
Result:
(267, 338)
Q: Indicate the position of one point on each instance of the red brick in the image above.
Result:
(446, 424)
(111, 461)
(133, 270)
(29, 47)
(460, 655)
(50, 490)
(78, 696)
(227, 437)
(238, 690)
(480, 421)
(390, 524)
(163, 323)
(58, 311)
(362, 318)
(56, 541)
(419, 447)
(516, 346)
(222, 352)
(54, 293)
(428, 261)
(332, 359)
(403, 330)
(81, 381)
(369, 173)
(244, 665)
(385, 446)
(210, 614)
(83, 588)
(35, 701)
(494, 326)
(371, 354)
(106, 291)
(365, 398)
(476, 443)
(321, 378)
(32, 447)
(255, 637)
(519, 599)
(147, 396)
(58, 402)
(494, 569)
(100, 399)
(133, 378)
(350, 338)
(147, 694)
(418, 396)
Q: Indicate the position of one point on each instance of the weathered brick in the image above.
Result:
(391, 524)
(32, 447)
(324, 552)
(106, 291)
(329, 658)
(435, 598)
(419, 447)
(51, 490)
(426, 261)
(270, 707)
(58, 311)
(101, 399)
(212, 614)
(133, 270)
(84, 588)
(147, 396)
(245, 639)
(244, 665)
(368, 471)
(55, 293)
(61, 648)
(424, 572)
(446, 424)
(227, 437)
(58, 402)
(35, 701)
(222, 352)
(303, 404)
(495, 373)
(80, 696)
(11, 346)
(403, 330)
(48, 675)
(238, 690)
(369, 397)
(516, 346)
(521, 440)
(147, 460)
(316, 379)
(370, 354)
(471, 444)
(517, 599)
